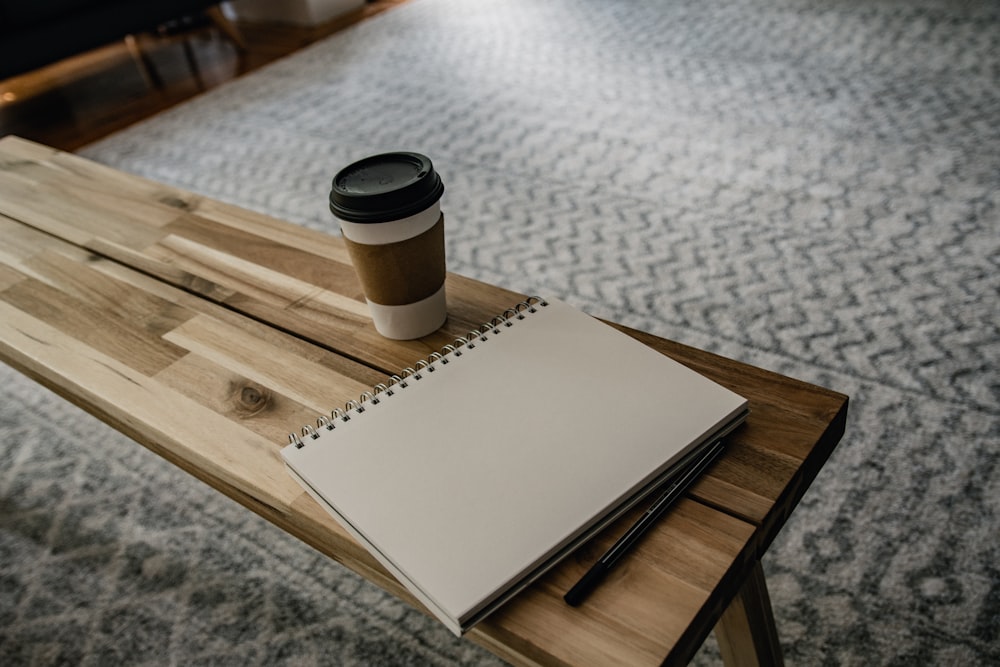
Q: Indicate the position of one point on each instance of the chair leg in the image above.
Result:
(192, 62)
(144, 64)
(227, 27)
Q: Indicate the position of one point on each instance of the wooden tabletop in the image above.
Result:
(207, 333)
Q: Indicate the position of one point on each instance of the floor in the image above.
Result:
(82, 99)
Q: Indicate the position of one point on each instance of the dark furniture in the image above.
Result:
(41, 32)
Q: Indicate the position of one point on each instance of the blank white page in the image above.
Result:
(472, 476)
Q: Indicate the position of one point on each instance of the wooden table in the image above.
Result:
(141, 302)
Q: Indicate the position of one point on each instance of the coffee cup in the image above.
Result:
(389, 209)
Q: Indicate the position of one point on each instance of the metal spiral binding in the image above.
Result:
(401, 381)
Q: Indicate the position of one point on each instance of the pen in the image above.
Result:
(596, 573)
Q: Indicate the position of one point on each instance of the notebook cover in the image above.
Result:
(469, 479)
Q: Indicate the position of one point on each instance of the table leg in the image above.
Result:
(746, 632)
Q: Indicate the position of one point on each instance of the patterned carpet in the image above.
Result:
(812, 186)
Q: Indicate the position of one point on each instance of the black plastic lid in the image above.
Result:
(385, 187)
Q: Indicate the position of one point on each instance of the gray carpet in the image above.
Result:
(811, 186)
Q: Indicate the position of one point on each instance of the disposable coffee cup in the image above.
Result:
(389, 208)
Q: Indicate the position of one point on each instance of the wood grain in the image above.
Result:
(141, 302)
(747, 634)
(302, 282)
(215, 392)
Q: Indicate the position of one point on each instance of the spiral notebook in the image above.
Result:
(472, 473)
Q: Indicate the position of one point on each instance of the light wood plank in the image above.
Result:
(9, 277)
(173, 275)
(112, 334)
(255, 405)
(254, 280)
(21, 243)
(294, 236)
(210, 442)
(260, 248)
(234, 349)
(61, 165)
(15, 149)
(78, 211)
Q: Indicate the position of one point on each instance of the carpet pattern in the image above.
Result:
(812, 187)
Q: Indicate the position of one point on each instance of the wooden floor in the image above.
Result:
(82, 99)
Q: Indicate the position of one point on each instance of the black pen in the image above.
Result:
(596, 573)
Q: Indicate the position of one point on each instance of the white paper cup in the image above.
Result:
(390, 214)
